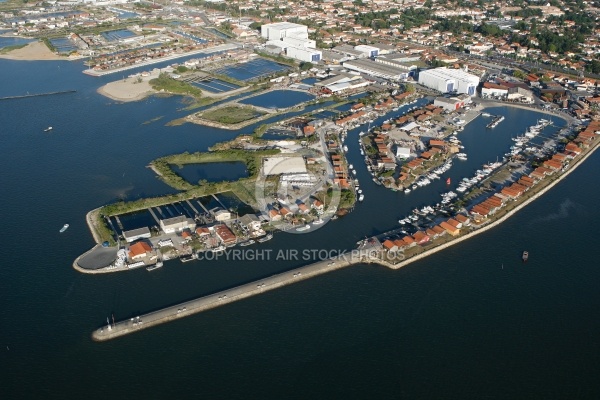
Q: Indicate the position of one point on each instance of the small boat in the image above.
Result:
(407, 190)
(318, 222)
(361, 197)
(247, 243)
(354, 172)
(64, 228)
(525, 256)
(219, 249)
(48, 129)
(303, 228)
(448, 181)
(345, 148)
(153, 267)
(350, 166)
(266, 238)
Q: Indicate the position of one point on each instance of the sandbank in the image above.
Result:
(129, 89)
(34, 51)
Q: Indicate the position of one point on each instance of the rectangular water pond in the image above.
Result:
(252, 69)
(278, 99)
(63, 45)
(213, 172)
(215, 85)
(114, 36)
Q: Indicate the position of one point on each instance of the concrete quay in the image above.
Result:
(224, 297)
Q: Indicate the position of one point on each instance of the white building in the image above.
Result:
(304, 54)
(293, 39)
(299, 43)
(135, 234)
(449, 80)
(298, 180)
(374, 68)
(519, 94)
(280, 30)
(221, 215)
(492, 90)
(448, 104)
(403, 153)
(176, 224)
(367, 51)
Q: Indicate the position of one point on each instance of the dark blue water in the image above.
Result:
(216, 86)
(118, 34)
(279, 99)
(250, 70)
(310, 81)
(6, 41)
(212, 172)
(455, 325)
(63, 45)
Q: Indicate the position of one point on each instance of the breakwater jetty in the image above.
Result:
(37, 95)
(135, 324)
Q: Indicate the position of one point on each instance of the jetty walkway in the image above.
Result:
(365, 255)
(23, 96)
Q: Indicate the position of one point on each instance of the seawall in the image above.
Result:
(224, 297)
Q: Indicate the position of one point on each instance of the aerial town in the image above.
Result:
(408, 75)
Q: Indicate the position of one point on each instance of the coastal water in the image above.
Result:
(469, 322)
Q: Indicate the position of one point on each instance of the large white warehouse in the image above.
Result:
(449, 80)
(279, 30)
(304, 54)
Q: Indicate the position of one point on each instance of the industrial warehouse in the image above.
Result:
(449, 80)
(291, 39)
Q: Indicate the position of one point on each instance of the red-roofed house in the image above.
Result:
(139, 250)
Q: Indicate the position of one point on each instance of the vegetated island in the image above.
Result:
(254, 154)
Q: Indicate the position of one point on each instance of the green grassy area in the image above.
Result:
(170, 85)
(8, 49)
(231, 114)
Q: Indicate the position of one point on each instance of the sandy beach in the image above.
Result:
(34, 51)
(129, 89)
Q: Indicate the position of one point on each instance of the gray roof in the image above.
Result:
(175, 220)
(136, 232)
(248, 219)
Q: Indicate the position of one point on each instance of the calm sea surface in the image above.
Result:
(470, 322)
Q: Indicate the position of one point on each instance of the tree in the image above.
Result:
(518, 74)
(305, 66)
(255, 25)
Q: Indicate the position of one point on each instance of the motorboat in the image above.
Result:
(361, 197)
(64, 228)
(303, 228)
(247, 243)
(266, 238)
(48, 129)
(218, 250)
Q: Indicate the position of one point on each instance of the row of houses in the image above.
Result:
(451, 227)
(288, 212)
(558, 162)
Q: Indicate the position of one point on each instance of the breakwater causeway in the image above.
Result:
(187, 308)
(37, 95)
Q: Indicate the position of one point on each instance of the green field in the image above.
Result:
(231, 114)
